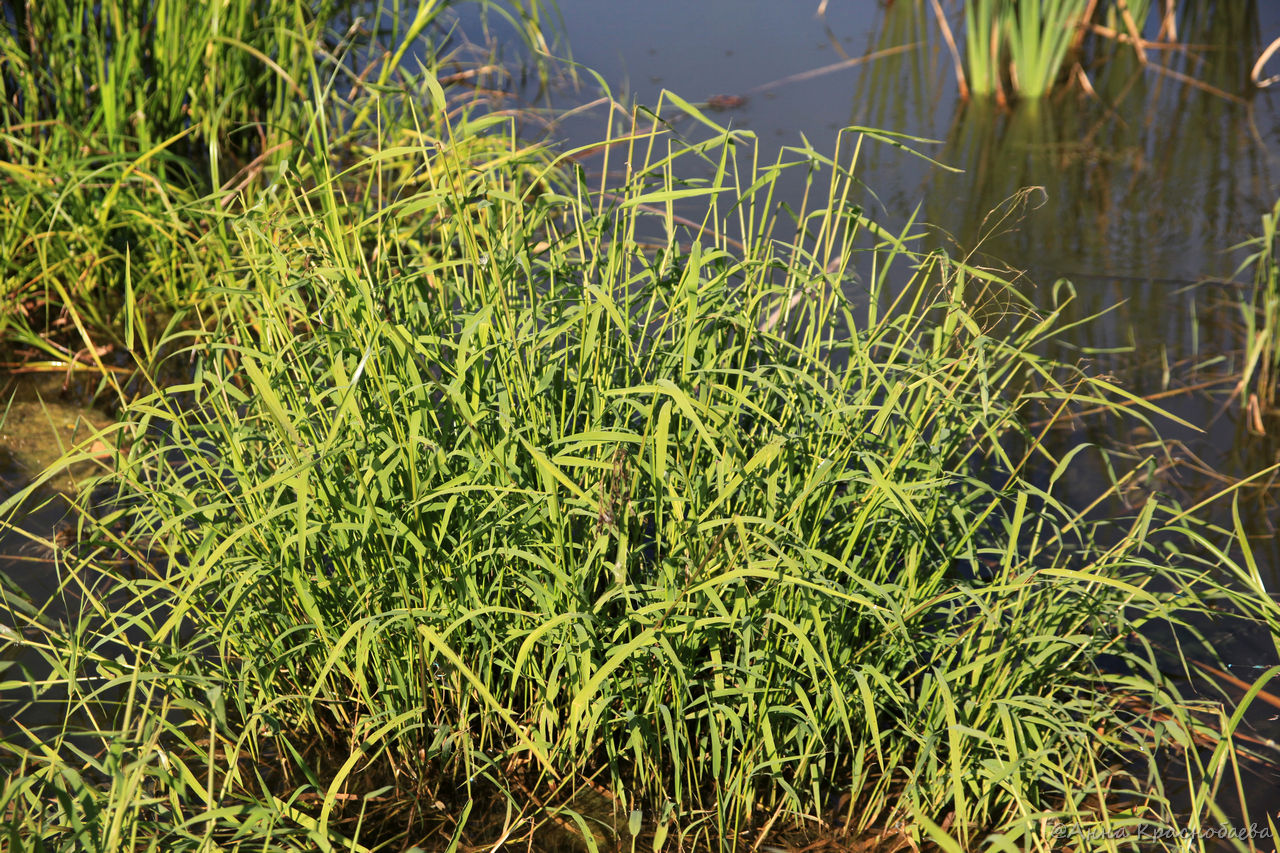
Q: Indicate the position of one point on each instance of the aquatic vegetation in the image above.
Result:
(515, 507)
(129, 129)
(465, 499)
(1019, 49)
(1023, 42)
(1256, 389)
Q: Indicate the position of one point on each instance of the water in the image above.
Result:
(1146, 183)
(43, 416)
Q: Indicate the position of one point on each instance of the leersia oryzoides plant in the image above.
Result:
(516, 505)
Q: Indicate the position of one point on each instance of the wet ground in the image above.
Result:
(43, 418)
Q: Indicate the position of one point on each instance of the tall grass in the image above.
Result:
(128, 129)
(226, 86)
(497, 504)
(1021, 49)
(518, 506)
(226, 79)
(1039, 36)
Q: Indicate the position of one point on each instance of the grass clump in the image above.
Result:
(1019, 47)
(1028, 49)
(129, 130)
(511, 508)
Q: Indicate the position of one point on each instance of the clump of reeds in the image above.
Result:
(1019, 47)
(1022, 49)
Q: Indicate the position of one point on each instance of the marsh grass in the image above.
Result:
(498, 503)
(504, 505)
(1017, 50)
(1025, 49)
(129, 130)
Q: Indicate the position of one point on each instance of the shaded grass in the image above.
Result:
(1256, 389)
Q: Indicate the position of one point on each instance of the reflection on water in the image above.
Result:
(42, 417)
(39, 423)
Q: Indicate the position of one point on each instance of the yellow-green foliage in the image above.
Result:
(480, 499)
